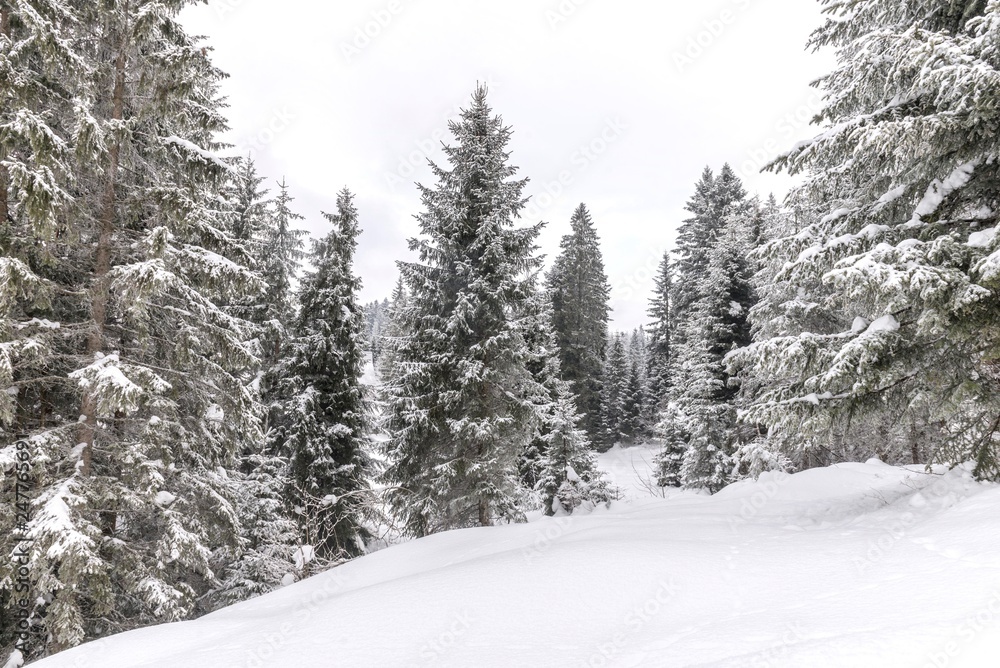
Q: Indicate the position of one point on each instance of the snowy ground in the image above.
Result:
(854, 565)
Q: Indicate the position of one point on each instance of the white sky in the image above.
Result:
(325, 105)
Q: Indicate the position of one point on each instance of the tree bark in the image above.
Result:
(102, 265)
(484, 513)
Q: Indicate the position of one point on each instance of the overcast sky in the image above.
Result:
(619, 105)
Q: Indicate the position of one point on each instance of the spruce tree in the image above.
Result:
(462, 403)
(324, 418)
(718, 325)
(283, 249)
(614, 393)
(659, 355)
(580, 294)
(135, 499)
(896, 248)
(558, 464)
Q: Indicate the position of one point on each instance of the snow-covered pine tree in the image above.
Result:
(659, 354)
(580, 301)
(614, 392)
(38, 126)
(283, 249)
(376, 323)
(323, 426)
(461, 401)
(395, 329)
(558, 464)
(133, 499)
(709, 206)
(900, 259)
(718, 324)
(269, 537)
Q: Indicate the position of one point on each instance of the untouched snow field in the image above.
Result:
(853, 565)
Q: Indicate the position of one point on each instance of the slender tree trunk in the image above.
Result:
(102, 264)
(484, 513)
(4, 176)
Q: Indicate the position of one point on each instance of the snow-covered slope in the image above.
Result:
(854, 565)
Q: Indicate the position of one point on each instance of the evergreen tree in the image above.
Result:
(718, 325)
(558, 463)
(283, 249)
(896, 248)
(580, 295)
(323, 426)
(713, 199)
(614, 393)
(135, 499)
(461, 403)
(395, 330)
(659, 353)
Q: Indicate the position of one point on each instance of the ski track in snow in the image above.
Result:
(852, 565)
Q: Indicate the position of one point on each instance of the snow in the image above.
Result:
(886, 323)
(215, 413)
(938, 190)
(891, 196)
(38, 322)
(164, 499)
(982, 239)
(16, 660)
(191, 147)
(861, 565)
(836, 215)
(303, 555)
(860, 325)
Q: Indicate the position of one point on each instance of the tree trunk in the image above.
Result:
(102, 265)
(484, 513)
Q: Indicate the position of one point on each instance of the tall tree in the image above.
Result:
(324, 423)
(659, 355)
(899, 238)
(283, 249)
(134, 499)
(718, 325)
(614, 393)
(462, 403)
(580, 295)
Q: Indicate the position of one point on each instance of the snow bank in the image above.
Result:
(852, 565)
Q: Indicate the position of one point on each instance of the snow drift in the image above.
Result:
(852, 565)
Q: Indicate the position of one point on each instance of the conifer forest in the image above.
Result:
(451, 415)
